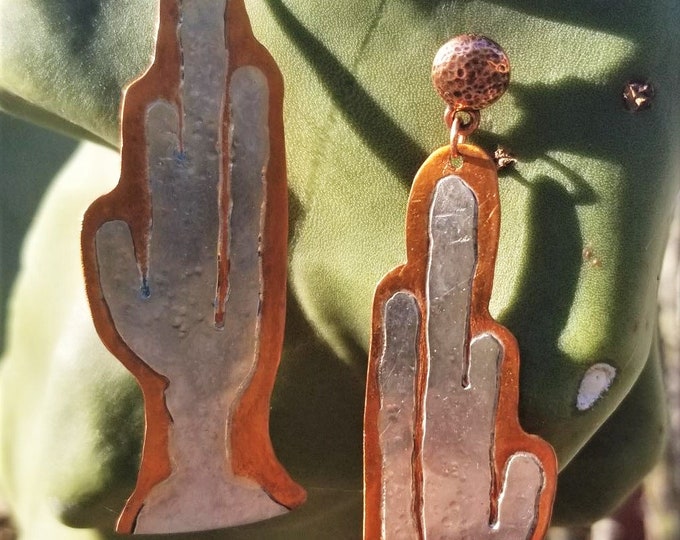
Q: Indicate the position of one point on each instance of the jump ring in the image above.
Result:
(460, 128)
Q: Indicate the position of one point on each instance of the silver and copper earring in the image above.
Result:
(445, 455)
(185, 270)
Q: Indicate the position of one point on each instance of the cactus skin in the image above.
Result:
(592, 483)
(592, 179)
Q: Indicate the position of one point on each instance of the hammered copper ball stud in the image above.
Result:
(470, 72)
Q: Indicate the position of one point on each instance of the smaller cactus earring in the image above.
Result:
(444, 453)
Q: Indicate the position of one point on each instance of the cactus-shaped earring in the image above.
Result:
(445, 455)
(185, 271)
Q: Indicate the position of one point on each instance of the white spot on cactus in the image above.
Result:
(595, 382)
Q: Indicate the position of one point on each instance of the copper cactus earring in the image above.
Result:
(185, 271)
(444, 453)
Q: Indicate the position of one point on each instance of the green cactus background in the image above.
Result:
(586, 212)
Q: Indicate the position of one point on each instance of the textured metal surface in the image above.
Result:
(396, 422)
(458, 438)
(451, 406)
(473, 473)
(518, 504)
(168, 321)
(454, 433)
(461, 394)
(470, 72)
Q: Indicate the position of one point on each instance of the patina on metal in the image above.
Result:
(443, 375)
(470, 72)
(185, 270)
(474, 472)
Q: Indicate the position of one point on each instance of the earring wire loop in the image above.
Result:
(460, 127)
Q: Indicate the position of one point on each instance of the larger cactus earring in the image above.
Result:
(185, 269)
(445, 455)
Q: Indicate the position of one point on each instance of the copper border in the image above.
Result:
(252, 454)
(479, 173)
(130, 201)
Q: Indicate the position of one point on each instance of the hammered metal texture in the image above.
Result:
(470, 72)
